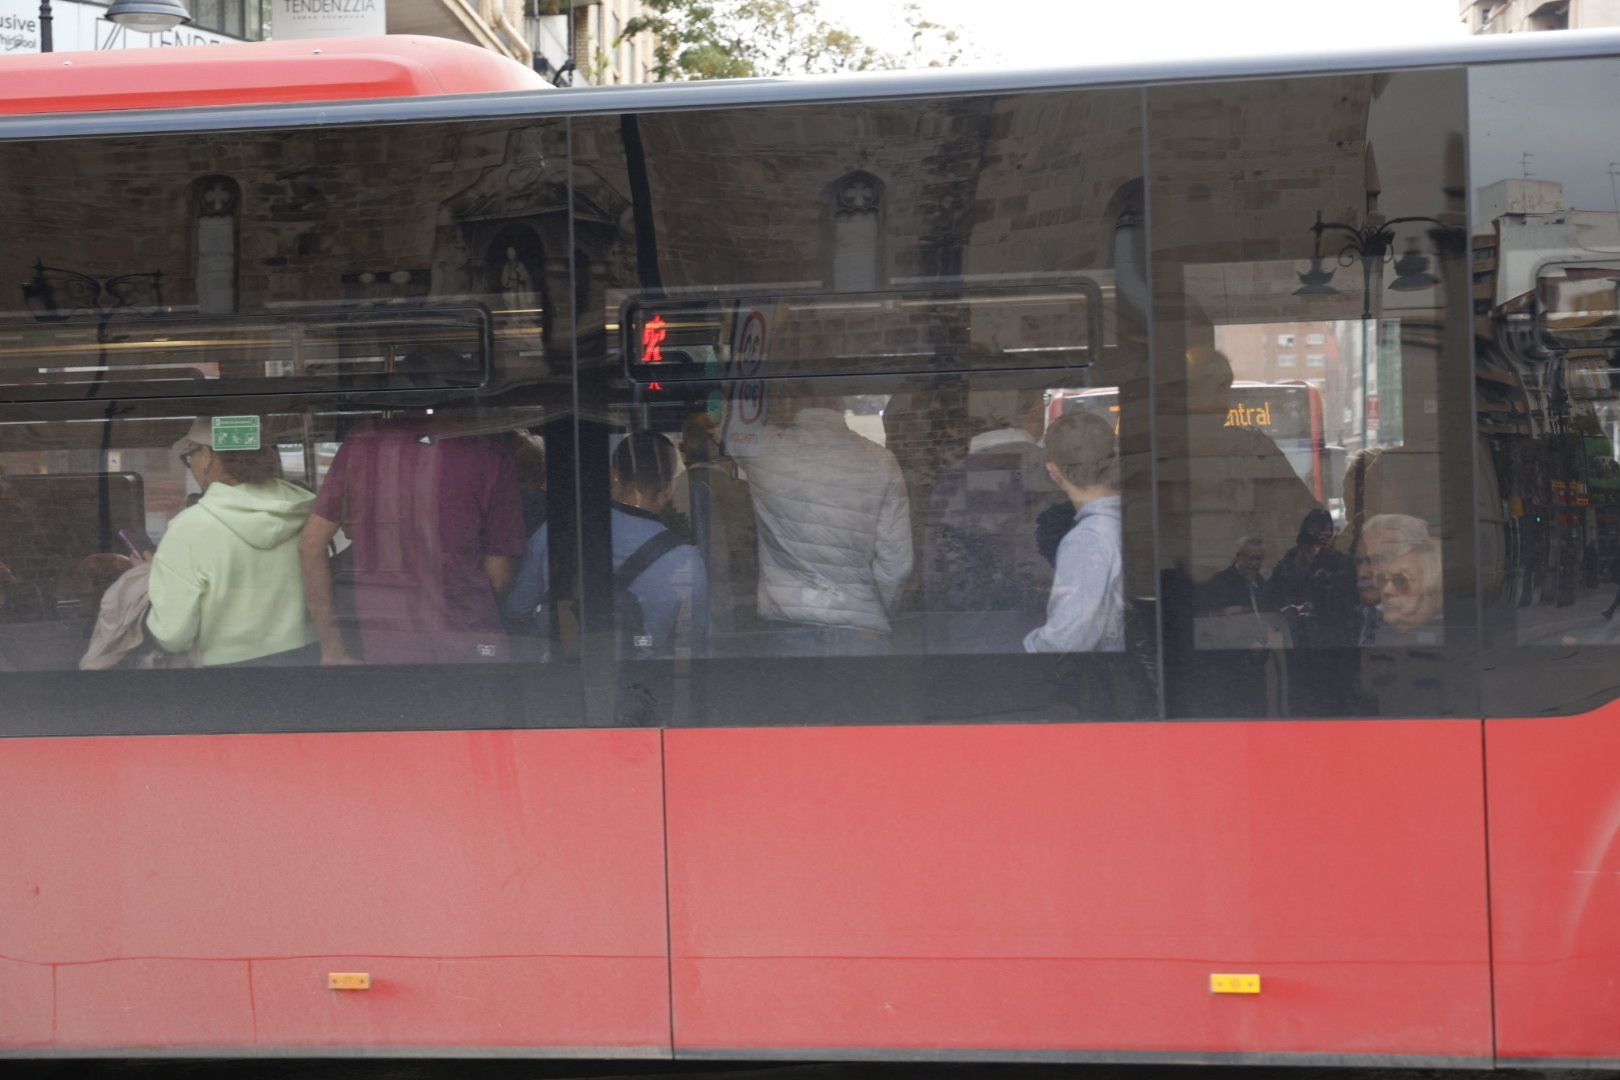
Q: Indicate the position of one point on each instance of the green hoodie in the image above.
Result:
(226, 577)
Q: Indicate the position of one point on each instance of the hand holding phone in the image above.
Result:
(139, 544)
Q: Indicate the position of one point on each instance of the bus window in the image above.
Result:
(836, 394)
(1546, 237)
(1309, 304)
(288, 416)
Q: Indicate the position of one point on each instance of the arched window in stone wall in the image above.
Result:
(217, 201)
(857, 233)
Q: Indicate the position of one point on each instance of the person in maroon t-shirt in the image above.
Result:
(435, 524)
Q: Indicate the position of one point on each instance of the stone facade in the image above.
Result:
(1023, 193)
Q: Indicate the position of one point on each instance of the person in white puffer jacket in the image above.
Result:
(834, 527)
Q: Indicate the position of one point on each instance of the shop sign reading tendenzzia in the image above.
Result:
(78, 27)
(297, 19)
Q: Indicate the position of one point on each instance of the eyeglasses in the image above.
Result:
(1402, 582)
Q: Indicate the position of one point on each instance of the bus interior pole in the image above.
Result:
(45, 43)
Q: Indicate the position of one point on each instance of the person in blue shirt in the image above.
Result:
(673, 591)
(1085, 611)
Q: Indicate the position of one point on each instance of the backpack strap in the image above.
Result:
(656, 547)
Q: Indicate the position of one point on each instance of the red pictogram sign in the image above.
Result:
(652, 340)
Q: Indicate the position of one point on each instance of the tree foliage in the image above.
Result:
(731, 39)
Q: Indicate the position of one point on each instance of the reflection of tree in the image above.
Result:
(727, 39)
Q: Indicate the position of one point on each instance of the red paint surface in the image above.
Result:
(335, 69)
(1034, 887)
(503, 888)
(1554, 789)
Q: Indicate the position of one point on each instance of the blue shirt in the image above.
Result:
(1086, 611)
(673, 591)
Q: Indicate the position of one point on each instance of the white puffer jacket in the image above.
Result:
(834, 524)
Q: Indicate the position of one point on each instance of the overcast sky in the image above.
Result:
(1060, 32)
(1519, 111)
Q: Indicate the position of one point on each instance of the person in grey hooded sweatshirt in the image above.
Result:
(226, 579)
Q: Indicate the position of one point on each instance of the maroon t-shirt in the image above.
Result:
(422, 512)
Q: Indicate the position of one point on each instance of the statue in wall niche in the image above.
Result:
(517, 288)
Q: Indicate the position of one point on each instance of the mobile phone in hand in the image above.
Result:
(140, 545)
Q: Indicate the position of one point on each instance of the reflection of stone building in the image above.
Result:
(917, 202)
(323, 232)
(298, 225)
(887, 198)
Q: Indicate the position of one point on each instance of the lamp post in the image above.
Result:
(147, 16)
(55, 296)
(1373, 245)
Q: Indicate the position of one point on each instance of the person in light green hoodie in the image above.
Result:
(225, 579)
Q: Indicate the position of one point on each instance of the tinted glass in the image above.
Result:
(888, 545)
(298, 396)
(1310, 339)
(1546, 232)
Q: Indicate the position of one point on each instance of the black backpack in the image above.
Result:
(629, 622)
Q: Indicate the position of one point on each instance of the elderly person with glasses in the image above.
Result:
(1404, 560)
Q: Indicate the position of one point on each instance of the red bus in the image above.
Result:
(524, 572)
(1290, 414)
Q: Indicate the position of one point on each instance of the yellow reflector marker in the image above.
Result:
(348, 980)
(1234, 984)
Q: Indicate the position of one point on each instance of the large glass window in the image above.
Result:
(962, 484)
(983, 409)
(295, 407)
(1546, 233)
(1314, 540)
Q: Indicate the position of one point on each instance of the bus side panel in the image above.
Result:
(1029, 887)
(498, 888)
(1555, 884)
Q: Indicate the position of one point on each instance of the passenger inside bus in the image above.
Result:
(985, 583)
(435, 527)
(1086, 609)
(835, 541)
(650, 561)
(225, 582)
(1405, 560)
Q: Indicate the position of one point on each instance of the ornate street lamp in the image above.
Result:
(1372, 245)
(55, 295)
(147, 16)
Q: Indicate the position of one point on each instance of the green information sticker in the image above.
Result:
(236, 433)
